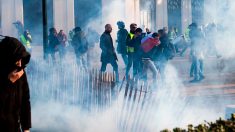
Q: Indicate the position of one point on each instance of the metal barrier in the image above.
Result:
(91, 89)
(94, 91)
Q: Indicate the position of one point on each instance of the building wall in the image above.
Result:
(86, 12)
(124, 10)
(63, 15)
(197, 11)
(186, 14)
(161, 14)
(11, 11)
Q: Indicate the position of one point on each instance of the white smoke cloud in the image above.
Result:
(221, 12)
(170, 109)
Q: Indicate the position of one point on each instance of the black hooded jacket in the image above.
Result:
(15, 111)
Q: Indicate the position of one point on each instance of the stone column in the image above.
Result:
(125, 10)
(132, 12)
(113, 10)
(129, 12)
(63, 15)
(186, 11)
(210, 11)
(137, 12)
(11, 11)
(161, 14)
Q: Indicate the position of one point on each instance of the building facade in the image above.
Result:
(66, 14)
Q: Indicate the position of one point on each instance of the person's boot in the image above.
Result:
(195, 80)
(191, 75)
(202, 77)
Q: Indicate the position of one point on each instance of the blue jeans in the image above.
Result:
(148, 64)
(135, 60)
(161, 66)
(197, 68)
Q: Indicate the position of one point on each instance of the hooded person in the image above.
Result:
(15, 111)
(121, 41)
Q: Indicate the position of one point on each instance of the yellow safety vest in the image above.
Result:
(130, 49)
(25, 42)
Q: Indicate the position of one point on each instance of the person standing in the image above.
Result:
(53, 43)
(130, 50)
(196, 38)
(134, 55)
(121, 40)
(163, 54)
(15, 110)
(80, 45)
(108, 54)
(26, 40)
(62, 46)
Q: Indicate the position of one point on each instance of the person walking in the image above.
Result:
(53, 43)
(196, 38)
(121, 41)
(62, 37)
(108, 54)
(26, 40)
(80, 45)
(134, 55)
(148, 54)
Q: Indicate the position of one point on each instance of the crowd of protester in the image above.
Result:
(140, 50)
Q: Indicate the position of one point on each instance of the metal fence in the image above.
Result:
(94, 91)
(90, 89)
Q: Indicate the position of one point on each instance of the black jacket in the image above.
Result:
(15, 108)
(161, 52)
(79, 44)
(106, 44)
(53, 42)
(135, 43)
(121, 40)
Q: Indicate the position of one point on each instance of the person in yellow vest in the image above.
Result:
(130, 36)
(26, 40)
(129, 47)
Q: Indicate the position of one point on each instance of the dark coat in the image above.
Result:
(53, 42)
(196, 36)
(79, 44)
(62, 39)
(197, 42)
(15, 108)
(135, 43)
(121, 40)
(106, 44)
(161, 51)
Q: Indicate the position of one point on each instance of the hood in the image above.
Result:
(12, 50)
